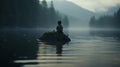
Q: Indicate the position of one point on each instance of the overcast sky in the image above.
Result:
(95, 5)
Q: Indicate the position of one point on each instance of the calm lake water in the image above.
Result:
(83, 51)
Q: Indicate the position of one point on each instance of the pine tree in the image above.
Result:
(44, 4)
(65, 22)
(92, 22)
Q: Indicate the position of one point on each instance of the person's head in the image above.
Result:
(59, 22)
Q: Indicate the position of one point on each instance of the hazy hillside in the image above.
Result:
(79, 17)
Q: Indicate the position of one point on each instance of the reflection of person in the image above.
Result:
(59, 28)
(59, 48)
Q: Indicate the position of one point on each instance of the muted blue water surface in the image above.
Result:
(83, 51)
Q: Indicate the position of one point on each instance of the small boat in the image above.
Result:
(54, 38)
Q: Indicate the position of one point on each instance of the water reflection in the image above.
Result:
(86, 52)
(46, 48)
(82, 51)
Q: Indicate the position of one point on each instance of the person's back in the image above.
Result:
(59, 46)
(59, 28)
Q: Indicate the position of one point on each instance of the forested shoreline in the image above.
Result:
(29, 14)
(106, 21)
(106, 25)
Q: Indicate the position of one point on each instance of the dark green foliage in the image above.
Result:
(19, 13)
(54, 38)
(28, 14)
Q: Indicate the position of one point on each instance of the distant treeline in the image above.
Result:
(106, 22)
(29, 14)
(106, 25)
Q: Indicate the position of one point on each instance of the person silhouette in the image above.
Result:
(59, 28)
(59, 45)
